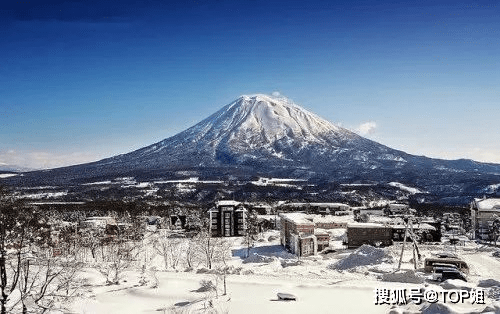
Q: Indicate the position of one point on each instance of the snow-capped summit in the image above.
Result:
(254, 127)
(256, 120)
(274, 118)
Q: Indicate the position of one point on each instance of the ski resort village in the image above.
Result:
(247, 257)
(249, 157)
(263, 207)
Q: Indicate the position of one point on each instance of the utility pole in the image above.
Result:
(403, 247)
(416, 252)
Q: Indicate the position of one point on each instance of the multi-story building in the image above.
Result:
(297, 234)
(227, 219)
(483, 214)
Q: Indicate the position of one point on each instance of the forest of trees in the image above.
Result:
(43, 248)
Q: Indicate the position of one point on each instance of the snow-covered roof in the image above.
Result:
(488, 204)
(267, 217)
(422, 226)
(365, 225)
(306, 236)
(298, 218)
(320, 231)
(327, 219)
(325, 205)
(398, 206)
(227, 203)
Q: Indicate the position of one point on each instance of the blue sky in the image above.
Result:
(81, 81)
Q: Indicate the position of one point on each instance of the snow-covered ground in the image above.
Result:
(343, 281)
(7, 175)
(405, 188)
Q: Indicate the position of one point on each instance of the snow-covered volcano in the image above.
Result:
(262, 131)
(260, 135)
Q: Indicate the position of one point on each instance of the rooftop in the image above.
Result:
(227, 203)
(324, 205)
(298, 218)
(488, 204)
(365, 225)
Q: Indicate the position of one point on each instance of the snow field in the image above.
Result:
(253, 282)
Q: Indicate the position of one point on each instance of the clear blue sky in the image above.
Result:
(84, 80)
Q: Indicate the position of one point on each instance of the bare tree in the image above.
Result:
(38, 277)
(45, 280)
(119, 257)
(170, 249)
(251, 230)
(495, 229)
(211, 250)
(191, 254)
(5, 286)
(92, 239)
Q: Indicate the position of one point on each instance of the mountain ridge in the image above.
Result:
(266, 135)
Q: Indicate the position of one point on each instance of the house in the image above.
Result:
(397, 209)
(260, 208)
(322, 239)
(297, 234)
(177, 222)
(266, 222)
(227, 219)
(483, 214)
(368, 233)
(106, 224)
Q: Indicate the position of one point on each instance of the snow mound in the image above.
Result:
(289, 262)
(437, 308)
(257, 258)
(276, 262)
(411, 308)
(407, 277)
(382, 268)
(204, 270)
(493, 309)
(487, 283)
(364, 255)
(456, 284)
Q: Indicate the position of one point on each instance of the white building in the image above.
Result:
(483, 212)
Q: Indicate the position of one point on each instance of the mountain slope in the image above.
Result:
(256, 130)
(264, 135)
